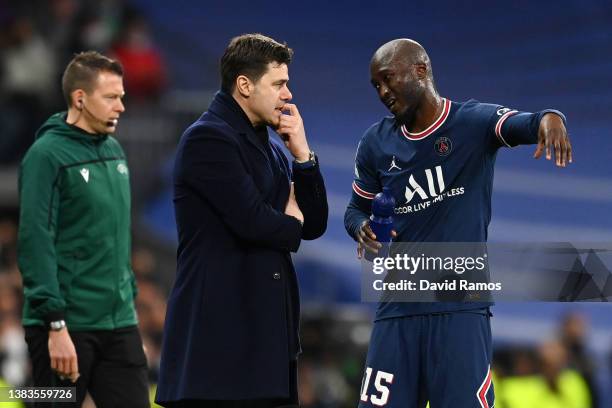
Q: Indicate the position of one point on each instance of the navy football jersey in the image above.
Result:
(441, 179)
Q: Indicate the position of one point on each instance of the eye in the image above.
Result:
(388, 77)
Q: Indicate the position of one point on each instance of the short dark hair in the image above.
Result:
(250, 54)
(82, 72)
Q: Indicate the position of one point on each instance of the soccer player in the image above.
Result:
(437, 352)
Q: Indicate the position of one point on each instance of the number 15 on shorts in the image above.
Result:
(382, 381)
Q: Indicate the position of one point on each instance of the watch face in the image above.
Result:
(57, 325)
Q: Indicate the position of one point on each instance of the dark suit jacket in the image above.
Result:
(233, 314)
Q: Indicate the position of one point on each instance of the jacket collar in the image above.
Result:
(225, 106)
(57, 123)
(82, 134)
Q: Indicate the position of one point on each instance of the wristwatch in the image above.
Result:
(57, 325)
(312, 160)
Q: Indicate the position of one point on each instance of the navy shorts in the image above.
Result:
(442, 358)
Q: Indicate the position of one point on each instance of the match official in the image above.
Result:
(74, 245)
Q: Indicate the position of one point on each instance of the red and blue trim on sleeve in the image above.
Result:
(362, 193)
(498, 126)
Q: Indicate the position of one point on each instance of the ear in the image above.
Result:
(244, 85)
(420, 70)
(77, 96)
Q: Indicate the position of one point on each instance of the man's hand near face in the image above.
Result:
(291, 130)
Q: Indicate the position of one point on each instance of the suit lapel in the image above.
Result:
(224, 106)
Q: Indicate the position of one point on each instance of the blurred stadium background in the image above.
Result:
(524, 54)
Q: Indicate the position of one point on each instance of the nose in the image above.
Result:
(120, 106)
(383, 92)
(286, 94)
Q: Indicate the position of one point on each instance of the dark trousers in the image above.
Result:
(112, 366)
(291, 402)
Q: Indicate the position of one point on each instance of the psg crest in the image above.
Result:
(443, 146)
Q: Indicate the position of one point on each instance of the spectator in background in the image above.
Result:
(27, 61)
(151, 308)
(71, 26)
(13, 350)
(57, 21)
(573, 334)
(9, 273)
(563, 384)
(28, 70)
(100, 23)
(555, 386)
(8, 244)
(145, 77)
(144, 263)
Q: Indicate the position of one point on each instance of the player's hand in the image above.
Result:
(292, 207)
(63, 355)
(366, 240)
(553, 135)
(291, 130)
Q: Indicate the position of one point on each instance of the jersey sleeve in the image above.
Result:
(510, 127)
(39, 204)
(365, 182)
(365, 186)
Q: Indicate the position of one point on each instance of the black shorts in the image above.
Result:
(112, 366)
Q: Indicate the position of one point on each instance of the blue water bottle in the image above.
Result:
(381, 220)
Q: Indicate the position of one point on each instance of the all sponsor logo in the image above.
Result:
(436, 192)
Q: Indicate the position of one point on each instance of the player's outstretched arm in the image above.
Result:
(552, 134)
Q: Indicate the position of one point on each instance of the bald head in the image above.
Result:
(400, 72)
(402, 50)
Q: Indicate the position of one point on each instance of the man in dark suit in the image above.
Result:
(231, 333)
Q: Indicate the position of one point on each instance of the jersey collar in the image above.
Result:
(433, 127)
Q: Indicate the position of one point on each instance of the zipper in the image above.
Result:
(115, 257)
(115, 221)
(98, 144)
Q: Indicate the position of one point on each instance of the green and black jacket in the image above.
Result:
(74, 230)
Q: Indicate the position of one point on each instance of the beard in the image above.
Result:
(405, 117)
(415, 95)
